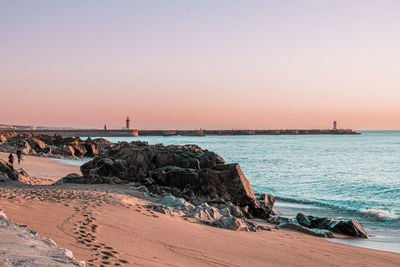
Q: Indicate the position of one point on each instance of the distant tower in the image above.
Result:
(127, 122)
(334, 125)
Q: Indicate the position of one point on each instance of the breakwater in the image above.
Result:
(201, 132)
(83, 132)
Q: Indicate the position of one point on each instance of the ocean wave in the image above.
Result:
(377, 215)
(381, 214)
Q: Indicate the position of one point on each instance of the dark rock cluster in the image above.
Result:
(347, 227)
(188, 172)
(320, 226)
(53, 146)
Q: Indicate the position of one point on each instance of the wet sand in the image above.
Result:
(108, 225)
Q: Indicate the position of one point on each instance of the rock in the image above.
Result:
(105, 167)
(36, 144)
(2, 214)
(305, 230)
(64, 150)
(303, 220)
(187, 172)
(233, 209)
(221, 182)
(147, 181)
(268, 201)
(91, 149)
(351, 227)
(4, 177)
(225, 212)
(320, 223)
(52, 145)
(206, 213)
(90, 179)
(70, 178)
(8, 169)
(276, 219)
(171, 201)
(22, 246)
(231, 223)
(24, 177)
(263, 228)
(173, 212)
(347, 227)
(142, 189)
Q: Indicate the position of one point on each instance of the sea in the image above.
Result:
(339, 176)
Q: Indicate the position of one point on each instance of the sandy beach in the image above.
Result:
(108, 225)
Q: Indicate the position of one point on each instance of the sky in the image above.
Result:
(223, 64)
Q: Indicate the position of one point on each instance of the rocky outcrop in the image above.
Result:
(188, 172)
(346, 227)
(52, 146)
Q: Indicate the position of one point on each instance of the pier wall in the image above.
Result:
(83, 133)
(202, 132)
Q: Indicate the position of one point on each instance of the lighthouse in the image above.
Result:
(127, 123)
(334, 125)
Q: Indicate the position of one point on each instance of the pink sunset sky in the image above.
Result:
(200, 64)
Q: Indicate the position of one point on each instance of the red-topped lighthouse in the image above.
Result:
(127, 123)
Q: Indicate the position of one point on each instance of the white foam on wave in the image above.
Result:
(381, 214)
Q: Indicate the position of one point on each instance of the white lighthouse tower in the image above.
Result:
(334, 125)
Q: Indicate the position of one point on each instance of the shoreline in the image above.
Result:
(381, 238)
(123, 224)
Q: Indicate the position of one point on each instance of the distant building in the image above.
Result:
(334, 125)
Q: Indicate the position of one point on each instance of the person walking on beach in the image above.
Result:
(11, 159)
(19, 155)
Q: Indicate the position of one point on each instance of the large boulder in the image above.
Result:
(220, 183)
(187, 172)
